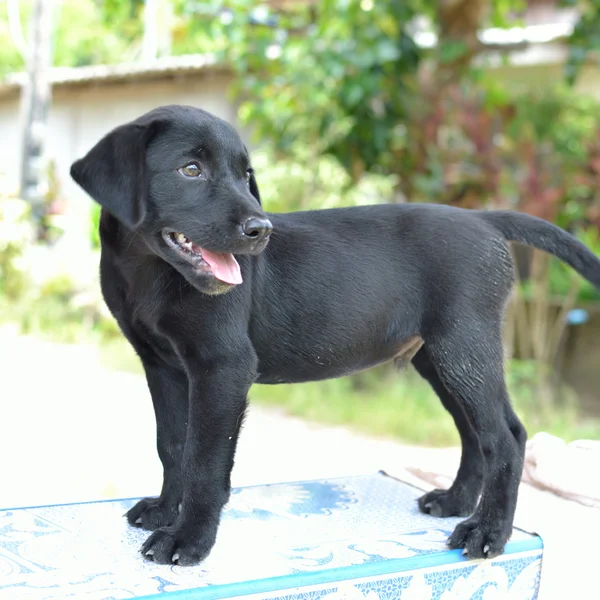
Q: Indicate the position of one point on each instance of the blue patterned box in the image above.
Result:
(357, 538)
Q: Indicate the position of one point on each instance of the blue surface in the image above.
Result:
(359, 537)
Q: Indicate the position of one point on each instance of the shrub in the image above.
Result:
(16, 234)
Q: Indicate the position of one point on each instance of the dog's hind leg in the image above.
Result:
(469, 363)
(461, 498)
(169, 390)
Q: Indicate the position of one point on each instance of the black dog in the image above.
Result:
(333, 292)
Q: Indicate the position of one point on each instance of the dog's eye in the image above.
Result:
(249, 175)
(191, 170)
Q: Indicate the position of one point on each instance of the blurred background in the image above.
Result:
(474, 103)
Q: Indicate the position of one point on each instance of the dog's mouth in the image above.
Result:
(223, 266)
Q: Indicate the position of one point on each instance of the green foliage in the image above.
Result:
(375, 36)
(45, 315)
(504, 13)
(584, 42)
(95, 211)
(10, 59)
(553, 147)
(330, 82)
(16, 234)
(49, 304)
(360, 90)
(310, 181)
(526, 380)
(106, 32)
(563, 279)
(55, 311)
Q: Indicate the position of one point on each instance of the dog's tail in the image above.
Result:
(531, 231)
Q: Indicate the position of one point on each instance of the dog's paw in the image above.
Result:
(479, 538)
(176, 545)
(447, 503)
(152, 513)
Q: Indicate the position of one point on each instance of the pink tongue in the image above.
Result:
(223, 266)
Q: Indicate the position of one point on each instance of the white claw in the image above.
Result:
(150, 552)
(464, 552)
(486, 549)
(139, 520)
(175, 557)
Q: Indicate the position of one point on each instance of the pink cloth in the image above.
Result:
(571, 471)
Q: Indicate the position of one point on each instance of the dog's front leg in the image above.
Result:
(218, 395)
(169, 390)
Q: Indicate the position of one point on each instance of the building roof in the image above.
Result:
(167, 66)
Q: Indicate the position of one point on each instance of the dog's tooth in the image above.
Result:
(181, 239)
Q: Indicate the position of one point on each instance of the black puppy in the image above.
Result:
(211, 308)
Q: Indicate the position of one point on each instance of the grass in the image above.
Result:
(384, 403)
(400, 407)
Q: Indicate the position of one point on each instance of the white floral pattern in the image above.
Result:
(344, 529)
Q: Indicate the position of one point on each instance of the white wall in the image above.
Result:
(531, 76)
(81, 115)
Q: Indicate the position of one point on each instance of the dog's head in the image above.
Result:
(181, 179)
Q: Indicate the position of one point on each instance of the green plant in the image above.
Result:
(16, 235)
(357, 87)
(562, 279)
(537, 318)
(56, 310)
(584, 42)
(316, 181)
(95, 226)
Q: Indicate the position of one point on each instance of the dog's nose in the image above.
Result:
(257, 228)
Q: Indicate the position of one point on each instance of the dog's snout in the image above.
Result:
(257, 228)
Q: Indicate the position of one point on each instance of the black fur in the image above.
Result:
(334, 291)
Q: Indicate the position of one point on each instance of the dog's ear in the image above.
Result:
(113, 172)
(254, 188)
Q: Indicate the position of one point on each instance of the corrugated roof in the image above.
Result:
(165, 66)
